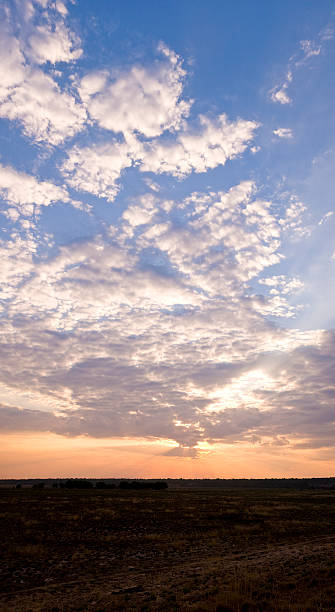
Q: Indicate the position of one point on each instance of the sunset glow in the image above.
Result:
(167, 239)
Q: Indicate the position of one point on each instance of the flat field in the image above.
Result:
(209, 550)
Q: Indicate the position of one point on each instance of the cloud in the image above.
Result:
(280, 95)
(325, 217)
(152, 336)
(29, 95)
(281, 284)
(12, 68)
(97, 168)
(309, 49)
(142, 100)
(44, 34)
(283, 133)
(26, 192)
(53, 43)
(279, 397)
(46, 113)
(199, 150)
(160, 325)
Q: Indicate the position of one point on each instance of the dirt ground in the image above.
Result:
(213, 550)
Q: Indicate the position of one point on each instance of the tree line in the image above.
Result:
(81, 483)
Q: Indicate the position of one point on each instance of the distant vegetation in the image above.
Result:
(136, 484)
(175, 483)
(82, 483)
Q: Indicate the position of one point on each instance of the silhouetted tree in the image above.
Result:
(78, 483)
(104, 485)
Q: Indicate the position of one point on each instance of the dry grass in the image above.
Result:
(211, 551)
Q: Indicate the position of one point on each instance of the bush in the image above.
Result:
(104, 485)
(138, 485)
(78, 483)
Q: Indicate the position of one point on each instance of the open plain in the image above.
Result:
(194, 550)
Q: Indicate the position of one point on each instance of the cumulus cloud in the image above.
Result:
(44, 33)
(46, 113)
(29, 95)
(199, 150)
(160, 325)
(142, 100)
(282, 284)
(25, 191)
(97, 168)
(53, 45)
(152, 336)
(12, 68)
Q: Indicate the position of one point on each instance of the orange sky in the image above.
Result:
(40, 455)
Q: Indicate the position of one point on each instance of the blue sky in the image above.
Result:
(167, 231)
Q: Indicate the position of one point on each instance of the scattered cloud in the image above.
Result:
(28, 94)
(157, 319)
(153, 337)
(143, 100)
(325, 217)
(26, 192)
(46, 113)
(201, 149)
(308, 49)
(97, 168)
(53, 43)
(279, 93)
(283, 133)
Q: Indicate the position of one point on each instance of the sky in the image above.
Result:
(167, 238)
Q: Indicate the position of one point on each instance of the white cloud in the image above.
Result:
(46, 113)
(16, 263)
(44, 33)
(293, 220)
(154, 324)
(325, 217)
(309, 49)
(144, 100)
(142, 212)
(151, 184)
(199, 150)
(25, 190)
(280, 95)
(282, 284)
(96, 169)
(53, 44)
(283, 133)
(12, 63)
(159, 335)
(29, 95)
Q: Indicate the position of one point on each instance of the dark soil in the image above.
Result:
(212, 550)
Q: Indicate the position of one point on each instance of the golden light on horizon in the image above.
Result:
(47, 455)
